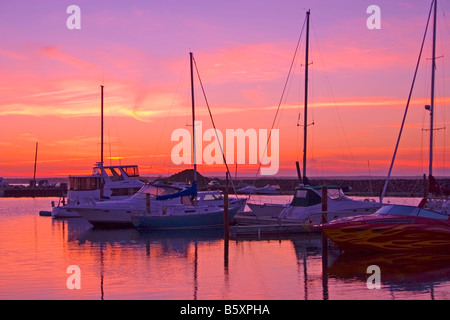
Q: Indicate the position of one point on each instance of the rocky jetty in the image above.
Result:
(369, 187)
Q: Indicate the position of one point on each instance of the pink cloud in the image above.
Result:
(55, 53)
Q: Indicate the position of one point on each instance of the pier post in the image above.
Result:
(147, 202)
(425, 186)
(225, 209)
(324, 244)
(324, 204)
(226, 231)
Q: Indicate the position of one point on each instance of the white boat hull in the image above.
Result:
(64, 212)
(111, 215)
(118, 218)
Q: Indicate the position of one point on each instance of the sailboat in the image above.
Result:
(305, 206)
(158, 206)
(395, 228)
(189, 214)
(112, 182)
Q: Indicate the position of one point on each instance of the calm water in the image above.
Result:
(127, 264)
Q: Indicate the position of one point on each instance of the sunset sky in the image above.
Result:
(50, 78)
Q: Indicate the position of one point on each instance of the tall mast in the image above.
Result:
(102, 182)
(433, 69)
(193, 115)
(409, 99)
(305, 126)
(101, 133)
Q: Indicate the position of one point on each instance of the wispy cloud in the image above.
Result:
(55, 53)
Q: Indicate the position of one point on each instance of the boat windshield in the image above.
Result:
(113, 173)
(335, 194)
(305, 198)
(131, 171)
(116, 173)
(411, 211)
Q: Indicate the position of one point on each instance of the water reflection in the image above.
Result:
(307, 247)
(400, 272)
(165, 244)
(203, 264)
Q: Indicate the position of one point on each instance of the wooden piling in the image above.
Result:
(324, 204)
(147, 202)
(225, 209)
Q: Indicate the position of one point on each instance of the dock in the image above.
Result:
(17, 192)
(268, 230)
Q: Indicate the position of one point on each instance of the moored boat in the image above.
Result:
(104, 184)
(182, 217)
(425, 227)
(306, 208)
(393, 228)
(157, 200)
(161, 207)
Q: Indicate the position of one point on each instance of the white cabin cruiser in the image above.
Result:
(104, 184)
(306, 207)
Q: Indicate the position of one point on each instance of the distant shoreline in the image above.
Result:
(353, 186)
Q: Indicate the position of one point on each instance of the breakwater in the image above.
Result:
(357, 186)
(369, 187)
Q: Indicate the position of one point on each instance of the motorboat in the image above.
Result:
(104, 184)
(425, 227)
(393, 228)
(306, 208)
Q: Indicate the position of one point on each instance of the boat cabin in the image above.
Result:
(306, 196)
(117, 173)
(118, 181)
(84, 183)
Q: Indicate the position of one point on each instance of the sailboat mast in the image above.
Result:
(102, 182)
(193, 116)
(305, 126)
(433, 70)
(101, 125)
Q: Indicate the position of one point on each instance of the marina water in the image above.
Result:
(36, 252)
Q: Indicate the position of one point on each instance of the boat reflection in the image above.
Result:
(417, 272)
(202, 264)
(170, 241)
(175, 247)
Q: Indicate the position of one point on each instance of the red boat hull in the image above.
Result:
(389, 233)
